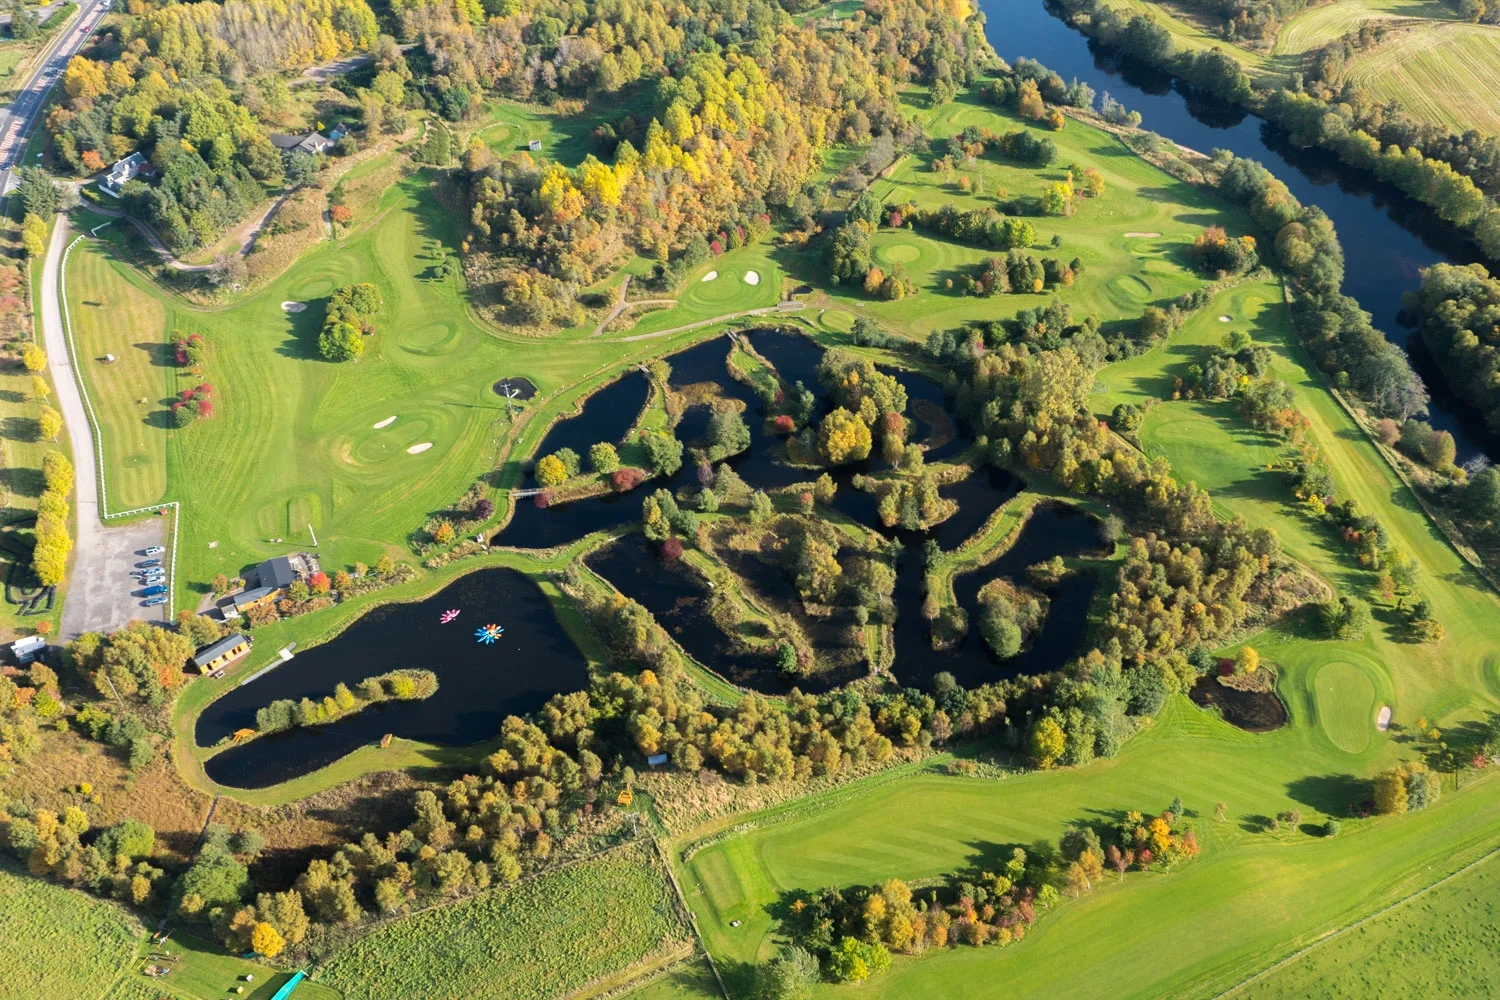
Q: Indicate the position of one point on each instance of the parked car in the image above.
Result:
(153, 591)
(154, 550)
(152, 602)
(148, 564)
(148, 580)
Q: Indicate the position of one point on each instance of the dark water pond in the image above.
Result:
(1387, 237)
(1052, 530)
(1252, 711)
(478, 685)
(679, 599)
(514, 388)
(606, 416)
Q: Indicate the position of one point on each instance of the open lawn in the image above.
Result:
(204, 971)
(49, 931)
(549, 936)
(1123, 274)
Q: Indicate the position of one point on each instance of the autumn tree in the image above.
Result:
(266, 941)
(843, 437)
(1047, 742)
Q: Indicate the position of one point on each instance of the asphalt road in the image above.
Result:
(21, 116)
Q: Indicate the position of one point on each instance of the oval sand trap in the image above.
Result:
(294, 307)
(1144, 235)
(1383, 720)
(752, 277)
(417, 449)
(710, 276)
(385, 423)
(1225, 319)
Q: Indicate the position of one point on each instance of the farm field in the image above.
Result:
(1454, 928)
(207, 972)
(46, 928)
(548, 936)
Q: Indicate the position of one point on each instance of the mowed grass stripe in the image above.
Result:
(111, 315)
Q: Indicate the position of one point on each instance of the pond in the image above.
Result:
(1386, 236)
(678, 598)
(1052, 530)
(478, 685)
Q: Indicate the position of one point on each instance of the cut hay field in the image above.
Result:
(1455, 929)
(1123, 274)
(549, 936)
(47, 929)
(1447, 74)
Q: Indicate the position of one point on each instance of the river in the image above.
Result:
(1387, 237)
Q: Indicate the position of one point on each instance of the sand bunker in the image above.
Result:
(417, 449)
(1144, 235)
(1226, 319)
(294, 307)
(1383, 720)
(385, 423)
(752, 278)
(710, 276)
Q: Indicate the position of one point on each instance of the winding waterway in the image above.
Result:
(1386, 236)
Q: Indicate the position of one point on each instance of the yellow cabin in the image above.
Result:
(226, 650)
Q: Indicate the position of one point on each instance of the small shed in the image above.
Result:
(216, 655)
(657, 759)
(535, 145)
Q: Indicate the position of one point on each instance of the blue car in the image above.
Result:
(153, 591)
(148, 564)
(152, 602)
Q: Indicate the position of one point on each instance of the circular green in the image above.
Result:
(837, 320)
(314, 288)
(1130, 287)
(1344, 697)
(900, 253)
(433, 338)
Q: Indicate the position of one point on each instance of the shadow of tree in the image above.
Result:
(1333, 794)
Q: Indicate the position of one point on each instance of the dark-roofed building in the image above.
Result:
(224, 651)
(275, 573)
(256, 595)
(311, 143)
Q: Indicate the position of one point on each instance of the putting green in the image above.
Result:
(899, 253)
(432, 339)
(316, 288)
(837, 320)
(725, 290)
(1130, 288)
(1345, 699)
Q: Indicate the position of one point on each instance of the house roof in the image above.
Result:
(28, 644)
(276, 572)
(245, 597)
(224, 645)
(281, 140)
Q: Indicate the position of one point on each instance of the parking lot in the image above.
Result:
(105, 595)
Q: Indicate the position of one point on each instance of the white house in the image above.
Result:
(123, 172)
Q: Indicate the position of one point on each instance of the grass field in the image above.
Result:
(1250, 897)
(49, 930)
(1122, 274)
(547, 937)
(1445, 943)
(207, 972)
